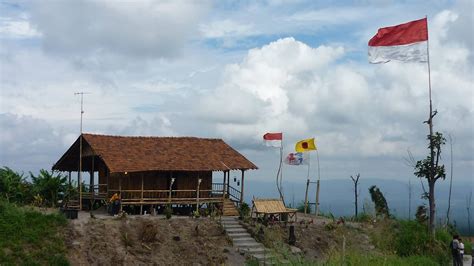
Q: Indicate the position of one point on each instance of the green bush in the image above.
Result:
(244, 210)
(29, 237)
(168, 212)
(412, 239)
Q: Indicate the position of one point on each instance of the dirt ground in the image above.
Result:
(150, 240)
(317, 237)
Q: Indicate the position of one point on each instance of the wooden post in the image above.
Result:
(91, 185)
(171, 188)
(306, 197)
(228, 183)
(316, 209)
(141, 206)
(197, 195)
(69, 174)
(223, 187)
(242, 188)
(107, 180)
(120, 191)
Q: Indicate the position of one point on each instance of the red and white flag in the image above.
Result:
(273, 139)
(405, 42)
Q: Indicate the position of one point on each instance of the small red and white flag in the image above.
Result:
(273, 139)
(405, 42)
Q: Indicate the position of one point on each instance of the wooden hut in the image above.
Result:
(156, 170)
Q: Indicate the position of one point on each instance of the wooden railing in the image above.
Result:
(177, 195)
(234, 193)
(97, 191)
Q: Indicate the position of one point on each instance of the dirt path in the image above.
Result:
(139, 240)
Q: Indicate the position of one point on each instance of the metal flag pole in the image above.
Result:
(430, 119)
(80, 150)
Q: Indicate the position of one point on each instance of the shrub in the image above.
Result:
(168, 212)
(411, 239)
(244, 210)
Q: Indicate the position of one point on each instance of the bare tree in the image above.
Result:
(356, 194)
(410, 193)
(468, 209)
(450, 179)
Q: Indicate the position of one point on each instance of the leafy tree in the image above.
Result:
(13, 186)
(430, 169)
(49, 186)
(381, 207)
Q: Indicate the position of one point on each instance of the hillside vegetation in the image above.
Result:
(28, 237)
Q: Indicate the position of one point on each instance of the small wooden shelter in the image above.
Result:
(272, 210)
(156, 170)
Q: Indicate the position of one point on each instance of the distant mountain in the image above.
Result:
(337, 197)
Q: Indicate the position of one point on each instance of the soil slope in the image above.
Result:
(143, 240)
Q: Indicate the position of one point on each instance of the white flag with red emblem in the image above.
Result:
(406, 42)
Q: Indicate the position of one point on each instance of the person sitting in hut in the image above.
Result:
(114, 204)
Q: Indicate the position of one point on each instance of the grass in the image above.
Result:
(411, 239)
(28, 237)
(356, 258)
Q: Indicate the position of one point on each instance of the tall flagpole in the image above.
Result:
(80, 150)
(430, 124)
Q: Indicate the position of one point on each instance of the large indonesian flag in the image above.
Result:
(273, 139)
(405, 42)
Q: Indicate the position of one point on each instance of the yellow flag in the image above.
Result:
(305, 145)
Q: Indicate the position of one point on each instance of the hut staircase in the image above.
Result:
(229, 208)
(73, 204)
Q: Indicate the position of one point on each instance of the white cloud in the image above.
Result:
(28, 143)
(226, 28)
(17, 29)
(152, 70)
(142, 29)
(354, 109)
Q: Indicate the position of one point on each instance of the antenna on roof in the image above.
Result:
(79, 181)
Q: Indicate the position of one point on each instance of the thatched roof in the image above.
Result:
(270, 206)
(138, 154)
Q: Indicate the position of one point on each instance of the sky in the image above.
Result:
(236, 70)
